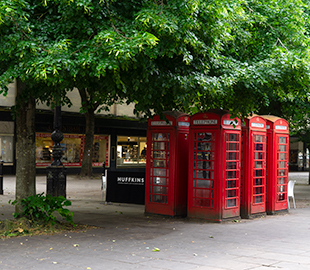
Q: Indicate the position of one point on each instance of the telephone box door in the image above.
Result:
(231, 174)
(159, 172)
(204, 192)
(277, 164)
(166, 168)
(282, 142)
(259, 173)
(214, 166)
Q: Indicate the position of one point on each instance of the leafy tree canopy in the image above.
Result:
(189, 54)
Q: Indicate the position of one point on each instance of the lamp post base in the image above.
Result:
(56, 181)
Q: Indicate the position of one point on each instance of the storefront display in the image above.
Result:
(6, 147)
(131, 151)
(73, 146)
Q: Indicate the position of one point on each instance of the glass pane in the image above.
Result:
(231, 202)
(203, 155)
(159, 190)
(131, 151)
(233, 146)
(258, 190)
(204, 193)
(231, 184)
(282, 148)
(161, 136)
(6, 148)
(203, 136)
(204, 202)
(282, 156)
(258, 164)
(231, 174)
(159, 146)
(258, 173)
(259, 147)
(282, 197)
(202, 164)
(159, 163)
(232, 156)
(159, 154)
(258, 181)
(258, 155)
(282, 139)
(159, 172)
(232, 165)
(281, 188)
(259, 138)
(232, 137)
(232, 193)
(281, 172)
(159, 198)
(204, 184)
(281, 181)
(203, 146)
(281, 164)
(203, 174)
(159, 181)
(258, 199)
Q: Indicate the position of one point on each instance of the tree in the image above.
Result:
(181, 54)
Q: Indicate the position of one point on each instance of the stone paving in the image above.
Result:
(128, 239)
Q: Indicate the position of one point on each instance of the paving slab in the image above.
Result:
(126, 238)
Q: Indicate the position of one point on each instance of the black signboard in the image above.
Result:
(126, 187)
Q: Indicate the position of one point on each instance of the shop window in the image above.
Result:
(131, 151)
(101, 151)
(6, 147)
(72, 146)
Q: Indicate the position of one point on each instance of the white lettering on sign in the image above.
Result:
(268, 126)
(183, 124)
(161, 123)
(281, 127)
(205, 122)
(130, 180)
(231, 122)
(259, 125)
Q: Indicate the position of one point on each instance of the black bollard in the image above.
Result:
(1, 177)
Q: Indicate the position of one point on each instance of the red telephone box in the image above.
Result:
(277, 163)
(166, 168)
(253, 179)
(214, 166)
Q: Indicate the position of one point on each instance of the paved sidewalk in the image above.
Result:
(126, 237)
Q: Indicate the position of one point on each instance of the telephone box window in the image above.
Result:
(159, 167)
(203, 169)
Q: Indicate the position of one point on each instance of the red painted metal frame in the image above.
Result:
(277, 163)
(166, 169)
(214, 166)
(253, 180)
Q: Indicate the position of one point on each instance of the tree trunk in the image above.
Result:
(308, 147)
(25, 146)
(87, 166)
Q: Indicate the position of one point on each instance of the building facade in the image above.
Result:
(119, 141)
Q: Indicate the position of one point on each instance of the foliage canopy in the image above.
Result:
(182, 54)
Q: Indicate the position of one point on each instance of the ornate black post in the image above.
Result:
(56, 172)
